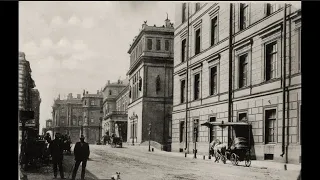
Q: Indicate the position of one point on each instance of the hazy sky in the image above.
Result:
(73, 46)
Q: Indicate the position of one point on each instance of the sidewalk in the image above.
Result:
(254, 163)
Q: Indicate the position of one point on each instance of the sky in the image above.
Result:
(72, 46)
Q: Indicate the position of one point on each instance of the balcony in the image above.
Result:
(115, 113)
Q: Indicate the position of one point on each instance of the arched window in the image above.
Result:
(74, 120)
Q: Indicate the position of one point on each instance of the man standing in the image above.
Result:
(56, 150)
(81, 154)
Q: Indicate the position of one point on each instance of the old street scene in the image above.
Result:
(160, 90)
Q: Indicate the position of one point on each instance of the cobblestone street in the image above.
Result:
(134, 164)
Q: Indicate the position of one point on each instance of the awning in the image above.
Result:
(223, 124)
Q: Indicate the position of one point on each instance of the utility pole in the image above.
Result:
(149, 135)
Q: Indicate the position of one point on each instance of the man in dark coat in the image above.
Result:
(81, 154)
(56, 149)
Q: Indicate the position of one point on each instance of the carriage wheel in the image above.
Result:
(223, 159)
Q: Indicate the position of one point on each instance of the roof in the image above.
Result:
(93, 95)
(222, 123)
(66, 101)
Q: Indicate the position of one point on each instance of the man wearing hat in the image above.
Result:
(56, 150)
(81, 154)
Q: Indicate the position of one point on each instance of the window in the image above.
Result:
(213, 80)
(158, 45)
(182, 131)
(92, 120)
(166, 45)
(270, 126)
(80, 121)
(242, 117)
(85, 102)
(196, 86)
(92, 103)
(213, 132)
(271, 8)
(197, 7)
(184, 50)
(196, 130)
(74, 120)
(271, 61)
(184, 12)
(149, 44)
(214, 31)
(299, 48)
(243, 70)
(182, 91)
(198, 41)
(170, 126)
(244, 16)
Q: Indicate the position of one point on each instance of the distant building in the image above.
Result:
(48, 126)
(115, 118)
(150, 86)
(238, 79)
(92, 115)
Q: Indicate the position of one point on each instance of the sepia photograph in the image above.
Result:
(159, 90)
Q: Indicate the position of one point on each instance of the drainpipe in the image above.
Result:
(284, 82)
(230, 70)
(187, 94)
(164, 108)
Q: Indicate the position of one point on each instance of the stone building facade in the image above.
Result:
(257, 82)
(36, 101)
(150, 86)
(115, 119)
(26, 104)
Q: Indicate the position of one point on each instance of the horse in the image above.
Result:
(218, 150)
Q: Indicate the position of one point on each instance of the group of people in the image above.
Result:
(81, 154)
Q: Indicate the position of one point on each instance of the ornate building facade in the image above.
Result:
(150, 86)
(228, 66)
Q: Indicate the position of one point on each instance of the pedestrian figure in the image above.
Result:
(81, 154)
(56, 149)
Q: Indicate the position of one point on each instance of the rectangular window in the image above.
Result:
(244, 16)
(183, 50)
(271, 60)
(166, 45)
(299, 48)
(182, 131)
(214, 31)
(184, 12)
(170, 127)
(213, 132)
(182, 91)
(196, 86)
(158, 45)
(243, 70)
(270, 126)
(242, 117)
(213, 80)
(149, 44)
(92, 102)
(197, 7)
(271, 8)
(198, 41)
(92, 120)
(196, 130)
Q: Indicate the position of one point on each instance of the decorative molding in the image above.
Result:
(214, 12)
(271, 30)
(196, 66)
(183, 34)
(213, 58)
(198, 24)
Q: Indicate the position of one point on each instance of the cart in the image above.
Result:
(239, 149)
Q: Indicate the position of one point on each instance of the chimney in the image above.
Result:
(108, 81)
(70, 96)
(78, 96)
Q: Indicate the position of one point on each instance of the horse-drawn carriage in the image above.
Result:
(114, 141)
(238, 149)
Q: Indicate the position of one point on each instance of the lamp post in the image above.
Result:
(99, 142)
(195, 141)
(149, 135)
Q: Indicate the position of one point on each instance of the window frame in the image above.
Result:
(197, 7)
(212, 129)
(184, 91)
(149, 45)
(212, 34)
(242, 112)
(210, 80)
(184, 13)
(167, 42)
(241, 7)
(182, 129)
(240, 73)
(184, 50)
(298, 47)
(266, 126)
(158, 45)
(195, 41)
(194, 86)
(266, 60)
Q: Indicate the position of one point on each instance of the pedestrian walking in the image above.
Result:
(56, 150)
(81, 154)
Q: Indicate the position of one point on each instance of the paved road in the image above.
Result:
(106, 161)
